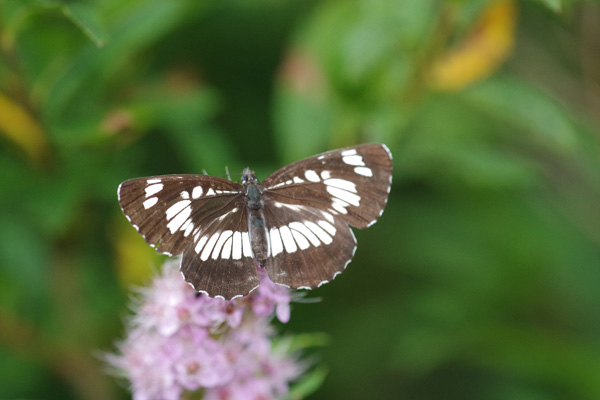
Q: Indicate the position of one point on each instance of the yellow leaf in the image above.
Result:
(135, 259)
(481, 52)
(18, 125)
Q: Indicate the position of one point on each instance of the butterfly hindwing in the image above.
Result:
(352, 183)
(220, 261)
(309, 247)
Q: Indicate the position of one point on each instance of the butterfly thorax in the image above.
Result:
(257, 228)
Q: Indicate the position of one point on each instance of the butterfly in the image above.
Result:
(295, 223)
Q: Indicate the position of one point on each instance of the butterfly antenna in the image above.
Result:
(227, 172)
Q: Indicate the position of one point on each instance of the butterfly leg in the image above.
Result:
(227, 172)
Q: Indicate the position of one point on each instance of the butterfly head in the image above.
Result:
(248, 177)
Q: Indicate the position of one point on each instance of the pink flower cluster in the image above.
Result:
(184, 344)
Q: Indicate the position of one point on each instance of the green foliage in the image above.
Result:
(554, 5)
(479, 281)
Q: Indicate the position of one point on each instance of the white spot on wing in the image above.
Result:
(153, 189)
(300, 239)
(340, 205)
(353, 160)
(344, 195)
(186, 224)
(288, 239)
(300, 227)
(209, 246)
(298, 180)
(201, 243)
(236, 252)
(317, 230)
(365, 171)
(350, 152)
(292, 206)
(312, 176)
(328, 216)
(222, 217)
(210, 192)
(246, 245)
(227, 249)
(150, 202)
(153, 180)
(219, 245)
(342, 184)
(180, 218)
(276, 244)
(176, 208)
(197, 192)
(185, 194)
(328, 227)
(325, 175)
(278, 185)
(189, 229)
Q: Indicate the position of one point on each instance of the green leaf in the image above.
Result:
(90, 71)
(518, 103)
(306, 340)
(83, 15)
(186, 119)
(305, 124)
(449, 143)
(24, 256)
(308, 384)
(554, 5)
(87, 18)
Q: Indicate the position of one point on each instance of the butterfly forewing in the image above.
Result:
(169, 210)
(352, 183)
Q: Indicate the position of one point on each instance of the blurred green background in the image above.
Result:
(480, 281)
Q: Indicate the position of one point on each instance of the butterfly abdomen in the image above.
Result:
(257, 229)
